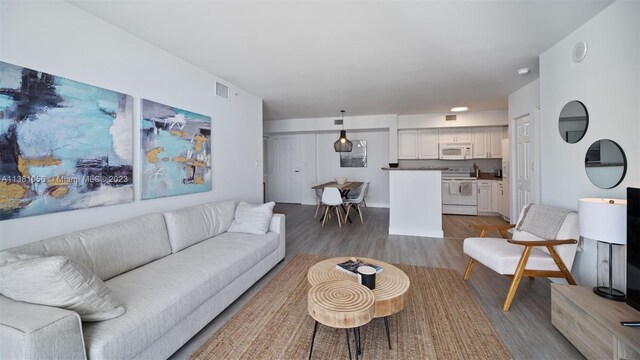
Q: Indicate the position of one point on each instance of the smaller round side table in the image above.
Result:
(341, 304)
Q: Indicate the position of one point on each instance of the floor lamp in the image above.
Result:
(605, 220)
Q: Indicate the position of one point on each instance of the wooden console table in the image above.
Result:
(592, 323)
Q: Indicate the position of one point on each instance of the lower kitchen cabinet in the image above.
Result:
(485, 196)
(490, 196)
(497, 192)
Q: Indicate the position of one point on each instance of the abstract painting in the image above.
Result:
(357, 157)
(176, 151)
(64, 145)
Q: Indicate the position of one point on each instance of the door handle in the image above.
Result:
(297, 170)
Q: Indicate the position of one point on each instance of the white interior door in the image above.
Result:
(284, 170)
(524, 162)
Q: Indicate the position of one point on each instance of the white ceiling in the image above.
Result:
(311, 59)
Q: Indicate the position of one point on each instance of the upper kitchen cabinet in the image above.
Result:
(487, 143)
(407, 144)
(418, 144)
(428, 144)
(455, 135)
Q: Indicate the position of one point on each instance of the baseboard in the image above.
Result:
(417, 232)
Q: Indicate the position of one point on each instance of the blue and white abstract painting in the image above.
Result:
(176, 151)
(64, 144)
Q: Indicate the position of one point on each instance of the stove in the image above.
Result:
(458, 172)
(459, 191)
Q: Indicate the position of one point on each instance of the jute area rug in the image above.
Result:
(442, 321)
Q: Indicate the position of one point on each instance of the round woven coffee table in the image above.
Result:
(392, 285)
(340, 304)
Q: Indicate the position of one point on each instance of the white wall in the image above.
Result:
(319, 163)
(388, 122)
(472, 118)
(377, 157)
(607, 82)
(59, 38)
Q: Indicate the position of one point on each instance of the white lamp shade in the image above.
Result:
(603, 219)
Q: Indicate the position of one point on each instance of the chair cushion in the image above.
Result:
(60, 282)
(191, 225)
(162, 293)
(252, 219)
(503, 257)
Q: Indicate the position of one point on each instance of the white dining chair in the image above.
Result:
(366, 192)
(331, 199)
(357, 202)
(318, 193)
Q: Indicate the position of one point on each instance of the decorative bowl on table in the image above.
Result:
(393, 165)
(341, 180)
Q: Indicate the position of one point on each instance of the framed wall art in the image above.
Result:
(64, 144)
(176, 151)
(357, 157)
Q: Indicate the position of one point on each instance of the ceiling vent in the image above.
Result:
(338, 122)
(450, 117)
(222, 90)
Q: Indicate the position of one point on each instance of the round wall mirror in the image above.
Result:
(605, 164)
(573, 121)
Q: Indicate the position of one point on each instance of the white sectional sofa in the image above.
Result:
(174, 273)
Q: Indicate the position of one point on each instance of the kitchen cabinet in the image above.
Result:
(408, 144)
(484, 196)
(428, 144)
(487, 142)
(496, 203)
(454, 136)
(418, 144)
(497, 192)
(504, 200)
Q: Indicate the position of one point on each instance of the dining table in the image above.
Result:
(344, 189)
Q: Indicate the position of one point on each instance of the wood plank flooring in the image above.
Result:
(526, 329)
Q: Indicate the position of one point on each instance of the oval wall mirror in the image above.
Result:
(573, 121)
(605, 164)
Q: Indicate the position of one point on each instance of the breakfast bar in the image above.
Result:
(415, 201)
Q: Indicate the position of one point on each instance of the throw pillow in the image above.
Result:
(61, 282)
(252, 219)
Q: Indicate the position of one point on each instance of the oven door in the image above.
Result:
(459, 192)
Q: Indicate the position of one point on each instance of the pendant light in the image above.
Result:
(343, 144)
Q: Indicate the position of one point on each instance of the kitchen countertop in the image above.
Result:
(417, 168)
(488, 176)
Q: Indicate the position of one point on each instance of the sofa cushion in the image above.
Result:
(109, 250)
(122, 246)
(162, 293)
(252, 219)
(69, 245)
(191, 225)
(60, 282)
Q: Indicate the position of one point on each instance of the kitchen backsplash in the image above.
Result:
(485, 165)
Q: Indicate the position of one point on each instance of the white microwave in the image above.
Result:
(455, 152)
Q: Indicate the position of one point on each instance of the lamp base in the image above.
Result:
(609, 293)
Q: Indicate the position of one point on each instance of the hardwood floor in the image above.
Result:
(526, 329)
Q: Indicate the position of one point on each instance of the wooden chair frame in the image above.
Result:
(522, 264)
